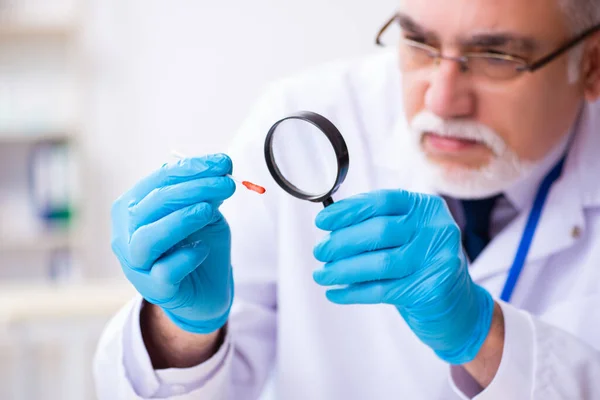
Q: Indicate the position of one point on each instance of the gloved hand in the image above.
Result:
(173, 243)
(404, 249)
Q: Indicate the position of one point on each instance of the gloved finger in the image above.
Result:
(359, 208)
(172, 268)
(167, 199)
(180, 171)
(368, 267)
(373, 234)
(363, 293)
(151, 241)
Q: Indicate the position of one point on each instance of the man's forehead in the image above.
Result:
(474, 38)
(461, 19)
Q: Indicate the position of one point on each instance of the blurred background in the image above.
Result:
(93, 95)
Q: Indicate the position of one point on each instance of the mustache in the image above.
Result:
(428, 122)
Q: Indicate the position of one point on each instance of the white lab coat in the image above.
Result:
(324, 351)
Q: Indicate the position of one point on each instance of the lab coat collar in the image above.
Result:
(522, 194)
(586, 160)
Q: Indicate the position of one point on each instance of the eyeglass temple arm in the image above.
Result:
(384, 28)
(567, 46)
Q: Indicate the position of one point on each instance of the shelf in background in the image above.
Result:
(36, 302)
(41, 243)
(12, 31)
(35, 137)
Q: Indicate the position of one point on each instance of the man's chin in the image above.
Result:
(463, 182)
(466, 189)
(471, 176)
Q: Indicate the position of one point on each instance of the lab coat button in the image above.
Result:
(576, 232)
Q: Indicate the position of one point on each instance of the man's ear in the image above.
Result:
(591, 69)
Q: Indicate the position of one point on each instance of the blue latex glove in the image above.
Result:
(173, 243)
(404, 249)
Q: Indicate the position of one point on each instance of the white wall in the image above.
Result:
(182, 74)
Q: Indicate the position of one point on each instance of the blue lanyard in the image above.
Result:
(529, 232)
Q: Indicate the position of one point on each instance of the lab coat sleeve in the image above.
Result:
(539, 361)
(142, 381)
(242, 366)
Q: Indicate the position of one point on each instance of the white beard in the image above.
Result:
(504, 170)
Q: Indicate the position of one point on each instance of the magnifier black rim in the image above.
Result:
(335, 138)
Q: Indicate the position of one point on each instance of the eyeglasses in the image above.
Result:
(415, 55)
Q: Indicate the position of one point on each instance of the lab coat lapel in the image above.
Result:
(563, 220)
(562, 215)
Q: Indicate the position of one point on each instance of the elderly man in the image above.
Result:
(459, 260)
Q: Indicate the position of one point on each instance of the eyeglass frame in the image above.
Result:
(526, 67)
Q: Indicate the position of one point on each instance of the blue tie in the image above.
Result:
(476, 234)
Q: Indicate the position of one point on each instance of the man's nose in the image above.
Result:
(449, 94)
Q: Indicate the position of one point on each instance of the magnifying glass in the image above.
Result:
(307, 156)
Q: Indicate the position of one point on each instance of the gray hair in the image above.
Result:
(581, 15)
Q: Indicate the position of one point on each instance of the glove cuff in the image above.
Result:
(485, 303)
(199, 327)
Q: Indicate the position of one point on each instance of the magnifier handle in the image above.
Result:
(327, 202)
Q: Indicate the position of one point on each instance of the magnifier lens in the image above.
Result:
(305, 157)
